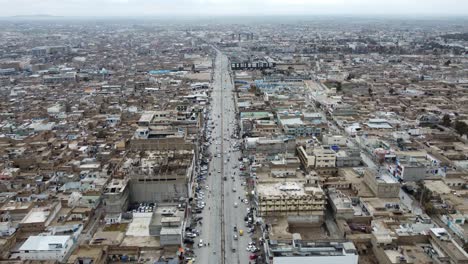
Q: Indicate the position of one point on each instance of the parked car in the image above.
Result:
(188, 241)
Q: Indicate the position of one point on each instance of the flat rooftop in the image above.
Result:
(310, 248)
(386, 178)
(42, 243)
(291, 121)
(280, 189)
(140, 225)
(35, 216)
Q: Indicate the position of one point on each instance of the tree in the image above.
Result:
(101, 134)
(350, 77)
(429, 208)
(338, 87)
(446, 120)
(252, 88)
(461, 127)
(392, 91)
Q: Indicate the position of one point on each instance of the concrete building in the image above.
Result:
(166, 223)
(306, 158)
(46, 248)
(270, 145)
(171, 231)
(298, 128)
(68, 77)
(300, 251)
(324, 158)
(290, 198)
(442, 240)
(162, 177)
(382, 185)
(343, 206)
(39, 218)
(348, 158)
(252, 64)
(408, 169)
(334, 140)
(116, 196)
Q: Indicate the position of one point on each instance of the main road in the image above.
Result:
(224, 184)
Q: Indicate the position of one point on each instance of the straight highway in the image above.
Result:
(224, 209)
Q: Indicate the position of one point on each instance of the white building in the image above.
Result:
(317, 252)
(334, 140)
(46, 248)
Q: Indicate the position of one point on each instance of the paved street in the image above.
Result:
(220, 215)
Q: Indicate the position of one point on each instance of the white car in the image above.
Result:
(235, 205)
(251, 248)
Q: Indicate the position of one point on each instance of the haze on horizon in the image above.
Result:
(111, 8)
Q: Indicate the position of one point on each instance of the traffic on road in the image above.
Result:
(222, 221)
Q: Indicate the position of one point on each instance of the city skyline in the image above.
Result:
(109, 8)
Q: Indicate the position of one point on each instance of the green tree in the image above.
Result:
(446, 120)
(253, 88)
(338, 87)
(461, 127)
(101, 134)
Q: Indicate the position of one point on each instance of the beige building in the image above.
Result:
(307, 160)
(383, 185)
(290, 197)
(324, 158)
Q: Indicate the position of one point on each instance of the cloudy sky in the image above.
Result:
(231, 7)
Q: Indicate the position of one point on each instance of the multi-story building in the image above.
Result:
(162, 176)
(298, 128)
(270, 145)
(299, 251)
(382, 185)
(306, 158)
(348, 158)
(334, 140)
(324, 158)
(409, 169)
(116, 196)
(448, 247)
(290, 197)
(46, 248)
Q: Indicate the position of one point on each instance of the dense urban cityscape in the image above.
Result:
(262, 140)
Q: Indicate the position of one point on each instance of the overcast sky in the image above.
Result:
(231, 7)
